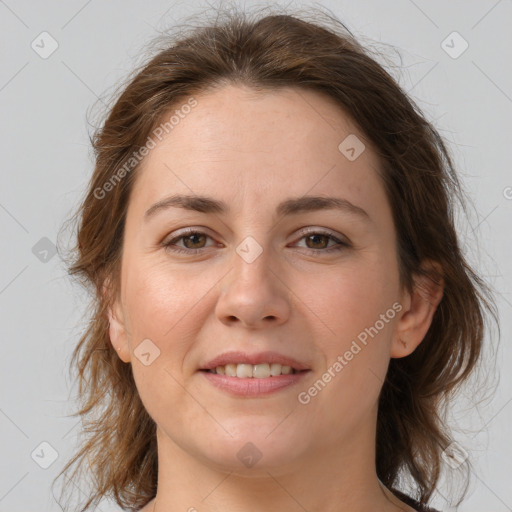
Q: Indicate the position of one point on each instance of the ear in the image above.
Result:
(418, 310)
(116, 329)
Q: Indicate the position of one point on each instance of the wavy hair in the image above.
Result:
(270, 51)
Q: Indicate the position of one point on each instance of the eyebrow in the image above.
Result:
(288, 207)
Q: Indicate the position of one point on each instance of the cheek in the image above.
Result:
(161, 306)
(158, 300)
(355, 299)
(357, 306)
(356, 347)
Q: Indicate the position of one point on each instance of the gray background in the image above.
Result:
(46, 162)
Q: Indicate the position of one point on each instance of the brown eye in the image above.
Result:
(318, 241)
(193, 241)
(323, 242)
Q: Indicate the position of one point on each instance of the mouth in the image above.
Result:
(254, 371)
(260, 365)
(251, 375)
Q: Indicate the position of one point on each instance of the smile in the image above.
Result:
(256, 371)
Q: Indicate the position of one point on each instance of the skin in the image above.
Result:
(252, 150)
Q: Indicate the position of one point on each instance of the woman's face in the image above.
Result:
(271, 276)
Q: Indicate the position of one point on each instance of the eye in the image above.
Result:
(193, 241)
(316, 241)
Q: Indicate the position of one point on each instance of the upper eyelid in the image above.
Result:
(187, 232)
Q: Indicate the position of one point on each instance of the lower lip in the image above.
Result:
(252, 386)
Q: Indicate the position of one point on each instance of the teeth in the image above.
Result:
(243, 371)
(257, 371)
(286, 369)
(261, 371)
(275, 369)
(230, 370)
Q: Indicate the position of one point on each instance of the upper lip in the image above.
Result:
(256, 358)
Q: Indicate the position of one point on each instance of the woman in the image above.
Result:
(282, 306)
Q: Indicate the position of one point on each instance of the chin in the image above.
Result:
(256, 444)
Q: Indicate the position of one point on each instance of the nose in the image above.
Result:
(253, 295)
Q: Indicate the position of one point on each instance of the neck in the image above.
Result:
(327, 480)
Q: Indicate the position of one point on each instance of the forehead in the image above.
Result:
(247, 147)
(237, 119)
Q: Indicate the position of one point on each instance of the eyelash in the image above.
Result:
(338, 247)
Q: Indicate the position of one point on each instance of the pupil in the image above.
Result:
(193, 236)
(316, 236)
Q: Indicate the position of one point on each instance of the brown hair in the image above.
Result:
(271, 51)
